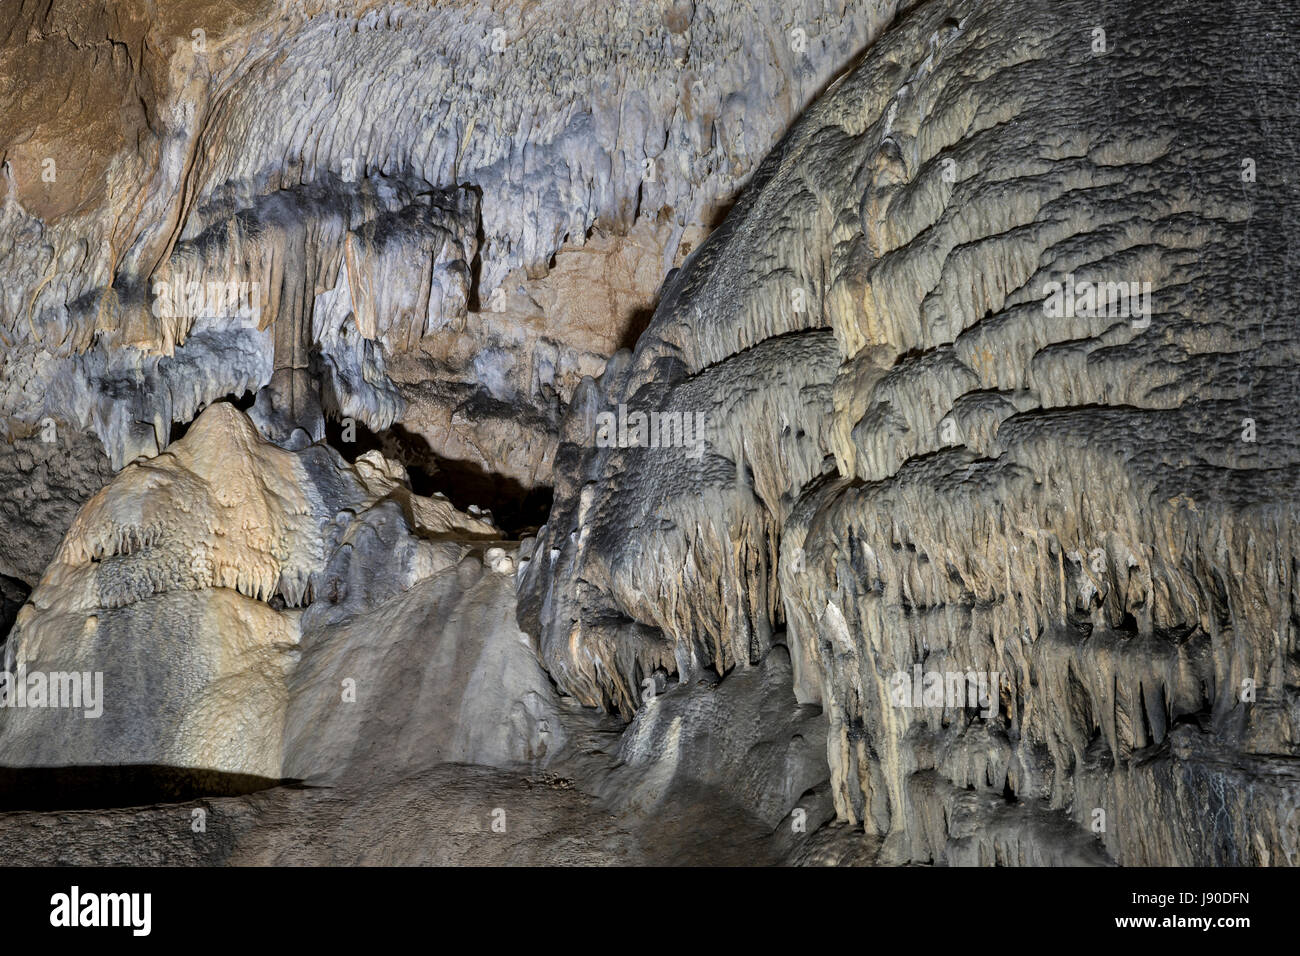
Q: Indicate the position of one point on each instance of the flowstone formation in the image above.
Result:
(913, 386)
(998, 366)
(182, 584)
(437, 214)
(231, 617)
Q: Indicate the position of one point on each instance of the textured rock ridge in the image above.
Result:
(357, 176)
(1095, 509)
(183, 583)
(913, 387)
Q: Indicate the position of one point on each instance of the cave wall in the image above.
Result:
(915, 463)
(368, 184)
(780, 299)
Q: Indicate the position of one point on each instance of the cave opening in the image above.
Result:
(516, 509)
(13, 594)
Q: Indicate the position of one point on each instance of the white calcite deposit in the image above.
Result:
(918, 458)
(916, 384)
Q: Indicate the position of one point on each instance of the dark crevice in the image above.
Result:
(517, 510)
(720, 212)
(472, 302)
(637, 323)
(13, 593)
(125, 785)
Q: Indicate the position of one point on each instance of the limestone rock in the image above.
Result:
(285, 185)
(44, 479)
(439, 673)
(1077, 503)
(913, 385)
(181, 588)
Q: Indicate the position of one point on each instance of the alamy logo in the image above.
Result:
(1124, 300)
(951, 689)
(217, 300)
(84, 689)
(657, 430)
(75, 909)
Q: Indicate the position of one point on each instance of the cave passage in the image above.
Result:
(516, 509)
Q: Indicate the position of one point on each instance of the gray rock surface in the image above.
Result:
(1092, 510)
(286, 616)
(352, 178)
(42, 485)
(442, 674)
(938, 507)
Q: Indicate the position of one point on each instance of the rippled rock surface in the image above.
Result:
(945, 438)
(739, 431)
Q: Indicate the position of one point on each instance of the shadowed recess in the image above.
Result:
(127, 785)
